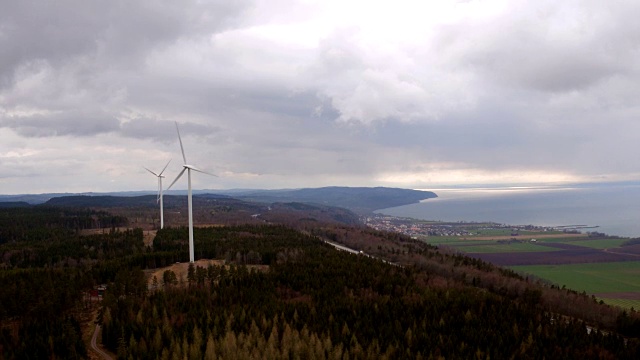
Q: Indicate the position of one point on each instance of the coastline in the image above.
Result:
(610, 210)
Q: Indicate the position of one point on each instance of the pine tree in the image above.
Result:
(229, 346)
(271, 350)
(122, 344)
(195, 351)
(210, 351)
(157, 341)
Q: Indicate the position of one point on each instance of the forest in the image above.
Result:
(279, 291)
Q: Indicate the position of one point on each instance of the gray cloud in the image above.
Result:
(548, 46)
(56, 31)
(286, 93)
(162, 131)
(73, 123)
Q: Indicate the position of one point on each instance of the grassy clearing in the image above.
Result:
(505, 248)
(592, 278)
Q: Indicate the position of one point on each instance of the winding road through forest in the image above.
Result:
(95, 347)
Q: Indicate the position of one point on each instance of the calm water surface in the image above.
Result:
(615, 209)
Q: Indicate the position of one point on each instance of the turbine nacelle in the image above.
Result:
(186, 166)
(198, 170)
(160, 174)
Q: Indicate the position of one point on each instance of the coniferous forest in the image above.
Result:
(279, 291)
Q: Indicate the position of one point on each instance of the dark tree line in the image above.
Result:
(43, 223)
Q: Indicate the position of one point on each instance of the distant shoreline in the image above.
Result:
(606, 209)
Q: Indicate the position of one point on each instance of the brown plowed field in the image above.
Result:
(632, 249)
(570, 255)
(525, 237)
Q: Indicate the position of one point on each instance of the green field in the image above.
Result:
(447, 240)
(494, 247)
(507, 232)
(492, 232)
(623, 303)
(561, 239)
(594, 278)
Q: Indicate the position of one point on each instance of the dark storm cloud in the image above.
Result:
(113, 31)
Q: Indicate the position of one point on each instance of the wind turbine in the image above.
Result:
(186, 167)
(159, 176)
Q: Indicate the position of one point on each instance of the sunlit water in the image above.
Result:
(615, 209)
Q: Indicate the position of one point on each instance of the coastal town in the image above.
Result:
(422, 228)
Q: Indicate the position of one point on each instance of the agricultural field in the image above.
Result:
(616, 283)
(494, 247)
(606, 267)
(449, 241)
(601, 243)
(499, 237)
(502, 232)
(623, 303)
(541, 244)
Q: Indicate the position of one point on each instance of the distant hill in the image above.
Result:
(359, 199)
(13, 204)
(109, 201)
(32, 199)
(102, 201)
(35, 199)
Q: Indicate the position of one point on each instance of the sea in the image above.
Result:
(612, 208)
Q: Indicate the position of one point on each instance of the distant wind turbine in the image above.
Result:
(188, 169)
(159, 176)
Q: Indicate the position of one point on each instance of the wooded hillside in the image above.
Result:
(285, 293)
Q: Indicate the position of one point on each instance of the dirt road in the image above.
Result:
(95, 347)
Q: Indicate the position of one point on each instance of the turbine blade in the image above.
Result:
(202, 171)
(181, 147)
(165, 168)
(151, 171)
(177, 177)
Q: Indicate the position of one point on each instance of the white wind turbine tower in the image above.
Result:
(188, 169)
(159, 176)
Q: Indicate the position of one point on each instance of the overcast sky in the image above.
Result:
(289, 94)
